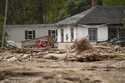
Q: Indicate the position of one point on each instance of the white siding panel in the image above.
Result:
(58, 35)
(68, 33)
(81, 32)
(102, 33)
(75, 33)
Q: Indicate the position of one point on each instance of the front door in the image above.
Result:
(92, 34)
(52, 37)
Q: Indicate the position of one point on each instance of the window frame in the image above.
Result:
(30, 34)
(93, 34)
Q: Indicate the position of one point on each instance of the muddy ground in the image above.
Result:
(53, 67)
(49, 71)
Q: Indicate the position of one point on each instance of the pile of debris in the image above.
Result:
(11, 57)
(24, 55)
(81, 45)
(82, 51)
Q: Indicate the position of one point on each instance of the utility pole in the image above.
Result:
(4, 24)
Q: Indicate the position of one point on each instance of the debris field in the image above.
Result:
(81, 63)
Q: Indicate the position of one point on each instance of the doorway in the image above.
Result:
(52, 37)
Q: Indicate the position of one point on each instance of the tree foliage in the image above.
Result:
(114, 2)
(74, 7)
(41, 11)
(47, 11)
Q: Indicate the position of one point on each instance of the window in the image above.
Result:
(92, 34)
(62, 35)
(72, 34)
(29, 34)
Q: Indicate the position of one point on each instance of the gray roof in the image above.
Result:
(74, 19)
(98, 15)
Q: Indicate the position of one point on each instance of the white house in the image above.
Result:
(19, 33)
(68, 33)
(98, 24)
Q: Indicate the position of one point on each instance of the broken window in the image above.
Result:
(29, 34)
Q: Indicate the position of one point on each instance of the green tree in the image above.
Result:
(58, 10)
(76, 6)
(114, 2)
(2, 7)
(100, 2)
(41, 11)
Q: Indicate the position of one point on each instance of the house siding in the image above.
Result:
(17, 32)
(102, 33)
(66, 32)
(58, 35)
(67, 35)
(80, 32)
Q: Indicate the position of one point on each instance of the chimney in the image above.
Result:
(93, 3)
